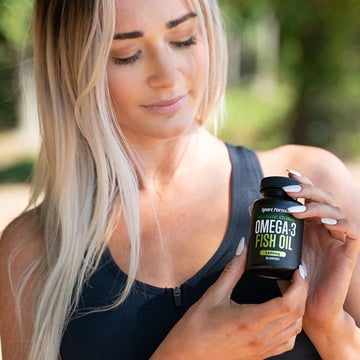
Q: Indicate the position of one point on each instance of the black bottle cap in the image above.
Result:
(272, 182)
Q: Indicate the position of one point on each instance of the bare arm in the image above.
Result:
(331, 251)
(328, 173)
(332, 315)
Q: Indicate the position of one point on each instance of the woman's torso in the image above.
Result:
(136, 328)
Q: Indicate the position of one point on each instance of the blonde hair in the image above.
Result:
(86, 171)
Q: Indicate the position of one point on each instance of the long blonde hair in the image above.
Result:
(86, 170)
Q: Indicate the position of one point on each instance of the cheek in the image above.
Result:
(200, 62)
(203, 63)
(117, 99)
(199, 70)
(121, 89)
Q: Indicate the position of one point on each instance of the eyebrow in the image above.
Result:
(129, 35)
(169, 25)
(173, 23)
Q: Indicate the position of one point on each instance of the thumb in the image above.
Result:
(227, 280)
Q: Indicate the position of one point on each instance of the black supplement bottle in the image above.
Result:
(275, 238)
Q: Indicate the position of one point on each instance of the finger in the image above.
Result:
(287, 345)
(310, 193)
(280, 319)
(293, 174)
(270, 343)
(227, 280)
(289, 307)
(347, 232)
(284, 340)
(284, 284)
(315, 210)
(348, 228)
(296, 293)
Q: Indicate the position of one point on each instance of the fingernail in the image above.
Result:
(240, 247)
(294, 172)
(328, 221)
(292, 188)
(296, 209)
(303, 270)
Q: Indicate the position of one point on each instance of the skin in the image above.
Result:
(177, 156)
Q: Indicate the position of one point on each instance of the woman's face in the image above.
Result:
(157, 68)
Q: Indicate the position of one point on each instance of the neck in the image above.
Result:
(164, 161)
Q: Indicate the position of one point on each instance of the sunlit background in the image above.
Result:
(294, 77)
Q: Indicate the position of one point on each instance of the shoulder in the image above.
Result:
(322, 167)
(20, 246)
(20, 249)
(318, 164)
(22, 234)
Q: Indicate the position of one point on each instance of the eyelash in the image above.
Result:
(129, 60)
(177, 44)
(185, 44)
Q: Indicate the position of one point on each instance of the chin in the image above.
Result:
(177, 130)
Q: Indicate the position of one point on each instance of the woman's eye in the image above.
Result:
(127, 60)
(185, 44)
(132, 59)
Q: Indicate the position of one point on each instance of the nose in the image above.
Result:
(163, 69)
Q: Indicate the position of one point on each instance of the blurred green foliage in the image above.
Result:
(255, 120)
(14, 24)
(20, 171)
(14, 20)
(319, 61)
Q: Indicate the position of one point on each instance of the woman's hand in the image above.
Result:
(330, 252)
(217, 328)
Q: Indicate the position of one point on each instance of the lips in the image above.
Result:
(166, 106)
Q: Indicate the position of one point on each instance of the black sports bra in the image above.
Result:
(136, 328)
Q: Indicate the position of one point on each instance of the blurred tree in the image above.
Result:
(320, 58)
(14, 22)
(324, 67)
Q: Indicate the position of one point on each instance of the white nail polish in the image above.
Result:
(294, 172)
(292, 188)
(328, 221)
(297, 209)
(303, 270)
(240, 247)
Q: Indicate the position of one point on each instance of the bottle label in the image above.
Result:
(275, 238)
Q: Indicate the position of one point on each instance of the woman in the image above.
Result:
(135, 244)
